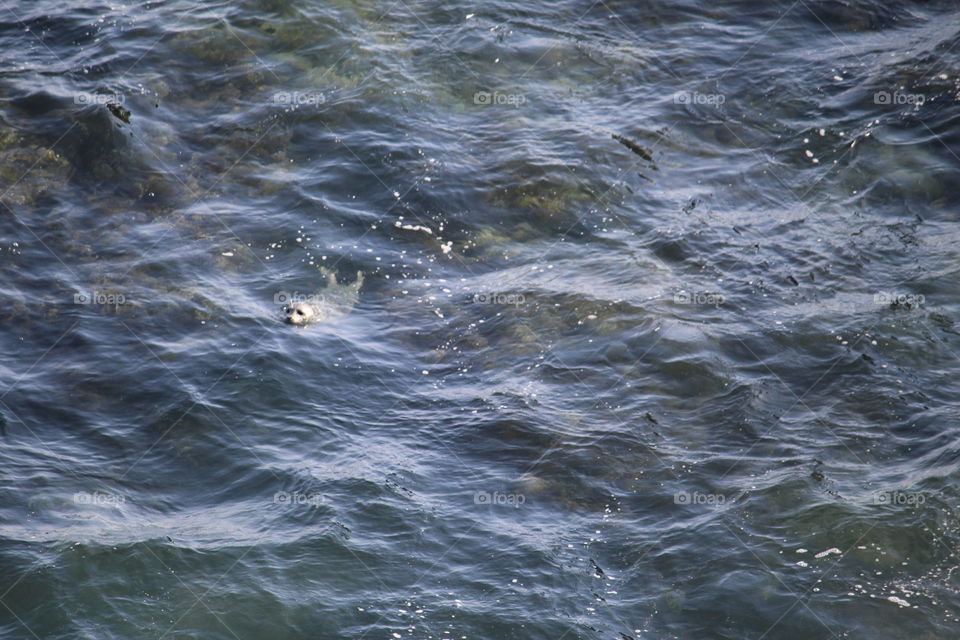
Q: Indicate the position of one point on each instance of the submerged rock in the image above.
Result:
(28, 172)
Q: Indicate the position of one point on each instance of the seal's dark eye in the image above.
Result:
(299, 312)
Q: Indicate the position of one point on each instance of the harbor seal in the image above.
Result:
(327, 304)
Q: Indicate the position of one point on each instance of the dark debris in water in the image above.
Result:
(596, 568)
(904, 305)
(119, 112)
(816, 474)
(943, 322)
(643, 152)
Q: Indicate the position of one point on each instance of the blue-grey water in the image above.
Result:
(656, 338)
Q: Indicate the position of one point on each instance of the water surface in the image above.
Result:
(655, 338)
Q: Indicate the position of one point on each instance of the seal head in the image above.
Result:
(298, 313)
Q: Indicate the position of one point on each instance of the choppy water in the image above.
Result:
(657, 337)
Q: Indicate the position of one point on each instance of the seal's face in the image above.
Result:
(298, 313)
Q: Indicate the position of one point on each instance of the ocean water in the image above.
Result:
(656, 336)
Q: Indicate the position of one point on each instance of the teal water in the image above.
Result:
(656, 335)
